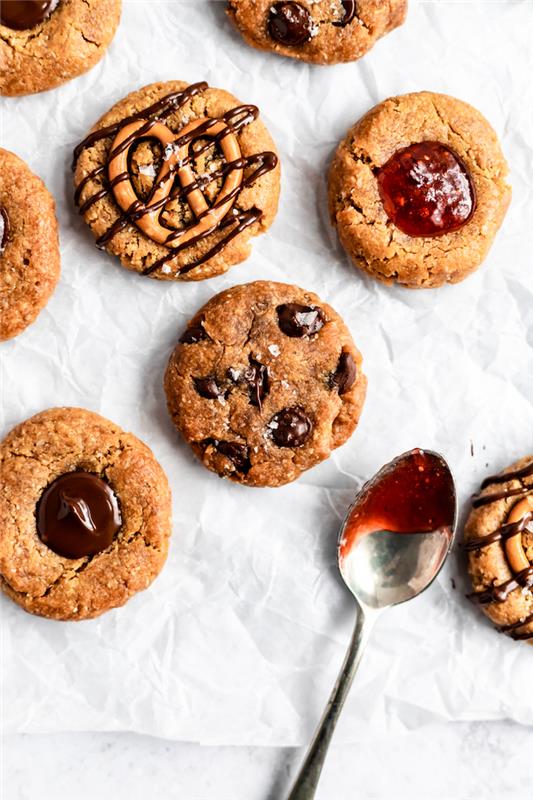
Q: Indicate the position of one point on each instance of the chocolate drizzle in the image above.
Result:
(4, 228)
(231, 225)
(522, 579)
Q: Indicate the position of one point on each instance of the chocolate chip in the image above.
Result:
(290, 427)
(257, 377)
(350, 11)
(296, 320)
(208, 387)
(238, 453)
(344, 376)
(195, 333)
(290, 23)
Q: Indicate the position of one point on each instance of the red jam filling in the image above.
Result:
(426, 190)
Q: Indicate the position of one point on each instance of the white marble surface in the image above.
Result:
(461, 761)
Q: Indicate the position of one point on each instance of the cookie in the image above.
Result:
(84, 515)
(499, 542)
(29, 248)
(44, 44)
(176, 179)
(417, 190)
(264, 383)
(319, 31)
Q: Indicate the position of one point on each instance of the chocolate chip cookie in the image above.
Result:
(176, 180)
(264, 383)
(319, 31)
(84, 515)
(29, 248)
(499, 543)
(44, 43)
(418, 190)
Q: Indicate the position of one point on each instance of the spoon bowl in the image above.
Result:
(399, 530)
(392, 545)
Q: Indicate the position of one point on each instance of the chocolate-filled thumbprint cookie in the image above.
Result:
(264, 383)
(498, 540)
(29, 247)
(177, 179)
(319, 31)
(44, 43)
(84, 515)
(418, 190)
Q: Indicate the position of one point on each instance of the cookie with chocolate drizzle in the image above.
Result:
(176, 179)
(498, 541)
(264, 383)
(318, 31)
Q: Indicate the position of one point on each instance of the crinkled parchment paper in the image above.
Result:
(241, 637)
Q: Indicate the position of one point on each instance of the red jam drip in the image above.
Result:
(414, 494)
(426, 190)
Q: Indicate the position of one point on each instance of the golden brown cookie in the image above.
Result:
(84, 515)
(417, 190)
(44, 44)
(29, 248)
(319, 31)
(265, 382)
(176, 179)
(499, 542)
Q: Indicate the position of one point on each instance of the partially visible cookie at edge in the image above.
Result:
(265, 382)
(29, 247)
(498, 539)
(177, 179)
(418, 190)
(45, 44)
(84, 515)
(317, 31)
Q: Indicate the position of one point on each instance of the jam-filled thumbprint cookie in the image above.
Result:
(319, 31)
(264, 383)
(418, 190)
(29, 247)
(176, 179)
(84, 515)
(44, 43)
(499, 542)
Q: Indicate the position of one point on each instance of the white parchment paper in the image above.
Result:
(240, 638)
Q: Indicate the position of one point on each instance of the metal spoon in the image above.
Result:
(392, 545)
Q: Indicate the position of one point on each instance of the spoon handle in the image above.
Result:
(306, 783)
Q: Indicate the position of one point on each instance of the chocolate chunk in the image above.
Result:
(21, 15)
(296, 320)
(290, 427)
(4, 227)
(208, 387)
(78, 515)
(290, 23)
(193, 334)
(344, 376)
(257, 377)
(238, 453)
(350, 11)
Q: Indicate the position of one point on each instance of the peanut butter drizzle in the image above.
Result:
(218, 215)
(510, 535)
